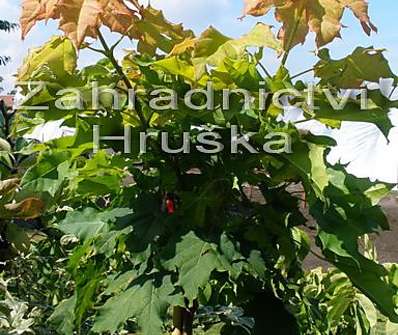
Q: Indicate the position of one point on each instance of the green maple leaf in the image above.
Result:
(260, 36)
(147, 301)
(195, 259)
(349, 215)
(119, 283)
(90, 222)
(338, 239)
(375, 111)
(351, 187)
(64, 316)
(58, 56)
(364, 64)
(310, 163)
(154, 28)
(213, 48)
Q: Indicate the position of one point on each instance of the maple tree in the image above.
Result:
(158, 243)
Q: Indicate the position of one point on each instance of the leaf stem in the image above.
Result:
(302, 73)
(268, 74)
(303, 121)
(109, 53)
(392, 92)
(96, 50)
(291, 37)
(113, 47)
(284, 59)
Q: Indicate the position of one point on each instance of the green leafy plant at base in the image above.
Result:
(326, 302)
(211, 264)
(35, 283)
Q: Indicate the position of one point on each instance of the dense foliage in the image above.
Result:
(102, 251)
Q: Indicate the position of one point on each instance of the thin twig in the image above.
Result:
(113, 47)
(96, 50)
(392, 92)
(268, 74)
(285, 56)
(303, 121)
(302, 73)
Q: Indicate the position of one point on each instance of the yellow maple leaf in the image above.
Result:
(37, 10)
(28, 209)
(79, 18)
(360, 10)
(299, 17)
(119, 18)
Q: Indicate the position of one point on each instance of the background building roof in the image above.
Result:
(8, 99)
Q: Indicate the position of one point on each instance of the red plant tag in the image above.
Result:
(170, 206)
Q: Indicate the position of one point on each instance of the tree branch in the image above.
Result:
(265, 70)
(109, 53)
(302, 73)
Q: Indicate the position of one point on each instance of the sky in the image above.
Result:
(361, 145)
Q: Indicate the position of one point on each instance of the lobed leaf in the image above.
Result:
(364, 64)
(195, 259)
(58, 56)
(78, 18)
(299, 17)
(147, 301)
(91, 222)
(28, 209)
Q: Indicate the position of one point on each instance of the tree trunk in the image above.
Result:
(188, 321)
(178, 320)
(183, 320)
